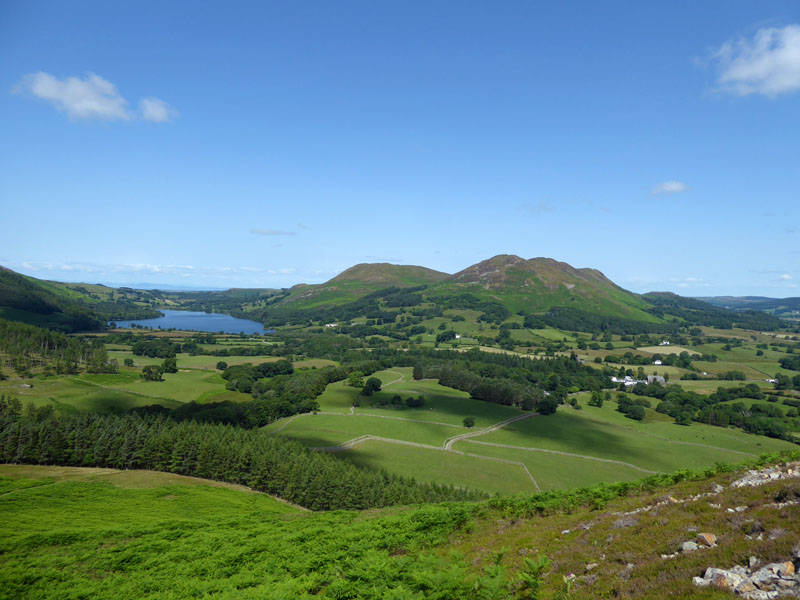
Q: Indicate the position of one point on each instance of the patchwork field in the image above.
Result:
(508, 450)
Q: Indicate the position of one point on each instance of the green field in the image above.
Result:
(655, 445)
(442, 404)
(555, 471)
(120, 391)
(568, 449)
(77, 394)
(437, 466)
(324, 430)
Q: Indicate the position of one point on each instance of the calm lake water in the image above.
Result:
(199, 321)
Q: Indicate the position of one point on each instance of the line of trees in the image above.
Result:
(25, 347)
(265, 463)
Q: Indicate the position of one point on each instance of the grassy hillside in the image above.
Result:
(358, 281)
(100, 533)
(539, 284)
(68, 307)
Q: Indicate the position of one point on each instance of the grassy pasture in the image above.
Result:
(184, 386)
(663, 426)
(603, 433)
(551, 334)
(74, 394)
(332, 430)
(119, 391)
(664, 350)
(187, 361)
(553, 471)
(442, 404)
(438, 466)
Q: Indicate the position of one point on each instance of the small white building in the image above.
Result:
(331, 324)
(656, 362)
(664, 343)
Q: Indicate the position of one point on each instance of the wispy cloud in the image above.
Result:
(767, 64)
(536, 208)
(670, 187)
(155, 110)
(658, 282)
(256, 231)
(786, 277)
(95, 269)
(692, 282)
(91, 97)
(302, 226)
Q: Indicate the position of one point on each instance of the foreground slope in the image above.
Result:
(77, 535)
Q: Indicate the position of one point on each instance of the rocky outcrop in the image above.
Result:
(774, 580)
(755, 478)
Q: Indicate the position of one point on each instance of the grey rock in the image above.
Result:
(625, 522)
(689, 547)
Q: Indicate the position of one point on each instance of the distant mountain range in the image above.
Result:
(567, 296)
(505, 284)
(782, 307)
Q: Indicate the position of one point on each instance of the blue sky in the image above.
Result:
(271, 143)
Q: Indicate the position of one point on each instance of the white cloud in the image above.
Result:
(271, 232)
(692, 282)
(767, 64)
(786, 277)
(90, 97)
(158, 111)
(670, 187)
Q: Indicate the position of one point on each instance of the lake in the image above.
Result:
(199, 321)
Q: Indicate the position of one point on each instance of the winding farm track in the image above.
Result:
(448, 445)
(559, 452)
(393, 381)
(348, 445)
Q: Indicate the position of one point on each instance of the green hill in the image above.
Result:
(65, 306)
(539, 284)
(360, 280)
(529, 286)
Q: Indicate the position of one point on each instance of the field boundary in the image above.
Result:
(561, 453)
(350, 444)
